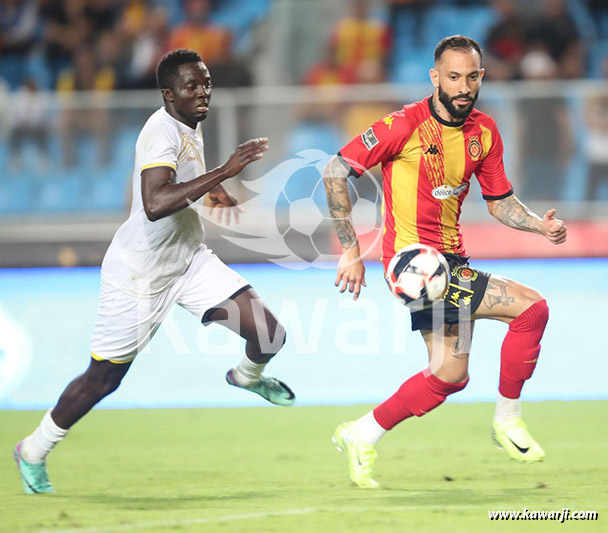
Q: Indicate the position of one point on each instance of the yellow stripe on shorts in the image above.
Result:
(97, 358)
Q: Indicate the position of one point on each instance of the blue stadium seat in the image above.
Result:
(56, 194)
(411, 62)
(412, 68)
(239, 17)
(307, 135)
(15, 195)
(473, 22)
(598, 54)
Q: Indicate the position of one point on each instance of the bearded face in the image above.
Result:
(459, 106)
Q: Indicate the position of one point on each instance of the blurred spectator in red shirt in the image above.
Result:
(359, 39)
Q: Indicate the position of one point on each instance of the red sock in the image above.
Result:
(417, 396)
(520, 349)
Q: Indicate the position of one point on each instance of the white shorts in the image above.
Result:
(125, 324)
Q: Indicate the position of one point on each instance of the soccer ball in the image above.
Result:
(304, 221)
(418, 272)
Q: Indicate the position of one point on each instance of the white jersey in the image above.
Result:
(145, 257)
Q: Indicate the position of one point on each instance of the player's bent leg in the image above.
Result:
(505, 299)
(247, 315)
(447, 374)
(100, 379)
(527, 314)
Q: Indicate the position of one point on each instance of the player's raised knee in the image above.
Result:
(453, 375)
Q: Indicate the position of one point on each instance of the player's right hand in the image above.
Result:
(245, 153)
(351, 271)
(553, 228)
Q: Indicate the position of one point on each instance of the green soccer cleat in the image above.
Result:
(513, 436)
(271, 389)
(361, 456)
(33, 475)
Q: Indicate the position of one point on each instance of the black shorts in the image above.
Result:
(464, 294)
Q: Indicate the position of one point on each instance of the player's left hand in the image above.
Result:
(222, 206)
(553, 228)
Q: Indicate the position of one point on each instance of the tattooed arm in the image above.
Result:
(511, 212)
(351, 271)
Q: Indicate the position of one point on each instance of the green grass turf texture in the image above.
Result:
(275, 470)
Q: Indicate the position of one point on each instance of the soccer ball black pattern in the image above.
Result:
(418, 273)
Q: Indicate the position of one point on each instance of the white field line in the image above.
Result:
(253, 516)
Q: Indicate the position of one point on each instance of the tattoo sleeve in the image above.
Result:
(335, 176)
(511, 212)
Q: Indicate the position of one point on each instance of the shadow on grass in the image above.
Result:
(177, 501)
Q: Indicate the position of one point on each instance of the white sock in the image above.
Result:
(506, 408)
(39, 444)
(247, 372)
(368, 429)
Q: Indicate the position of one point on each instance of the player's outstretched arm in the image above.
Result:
(162, 196)
(351, 270)
(511, 212)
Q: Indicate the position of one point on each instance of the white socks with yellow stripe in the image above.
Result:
(247, 372)
(39, 444)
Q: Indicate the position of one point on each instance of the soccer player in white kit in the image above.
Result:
(157, 258)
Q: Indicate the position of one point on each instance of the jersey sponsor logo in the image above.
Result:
(460, 189)
(443, 192)
(464, 273)
(369, 139)
(388, 120)
(433, 150)
(474, 148)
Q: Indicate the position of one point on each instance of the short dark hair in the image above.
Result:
(167, 69)
(457, 42)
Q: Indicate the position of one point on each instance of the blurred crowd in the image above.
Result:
(70, 45)
(548, 39)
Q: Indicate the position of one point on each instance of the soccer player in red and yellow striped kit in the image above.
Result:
(429, 150)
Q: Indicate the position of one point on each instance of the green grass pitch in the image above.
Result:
(275, 470)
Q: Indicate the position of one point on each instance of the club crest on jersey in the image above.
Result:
(474, 147)
(369, 139)
(464, 273)
(443, 192)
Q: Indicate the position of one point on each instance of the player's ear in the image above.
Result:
(167, 94)
(482, 71)
(434, 77)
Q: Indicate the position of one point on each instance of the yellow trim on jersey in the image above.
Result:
(116, 362)
(454, 165)
(486, 141)
(186, 144)
(404, 188)
(156, 165)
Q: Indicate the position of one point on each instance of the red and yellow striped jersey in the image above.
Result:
(427, 165)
